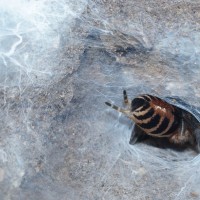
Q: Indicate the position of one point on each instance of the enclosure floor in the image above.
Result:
(60, 60)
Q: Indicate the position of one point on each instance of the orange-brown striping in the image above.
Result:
(161, 107)
(164, 110)
(161, 103)
(155, 117)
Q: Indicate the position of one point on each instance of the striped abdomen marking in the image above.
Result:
(155, 116)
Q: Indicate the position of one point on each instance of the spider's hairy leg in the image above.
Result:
(126, 112)
(197, 139)
(125, 97)
(137, 135)
(126, 100)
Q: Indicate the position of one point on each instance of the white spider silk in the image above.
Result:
(60, 60)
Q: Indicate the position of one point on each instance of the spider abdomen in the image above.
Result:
(154, 116)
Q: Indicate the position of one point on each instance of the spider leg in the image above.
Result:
(126, 100)
(182, 135)
(137, 135)
(197, 139)
(182, 127)
(121, 110)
